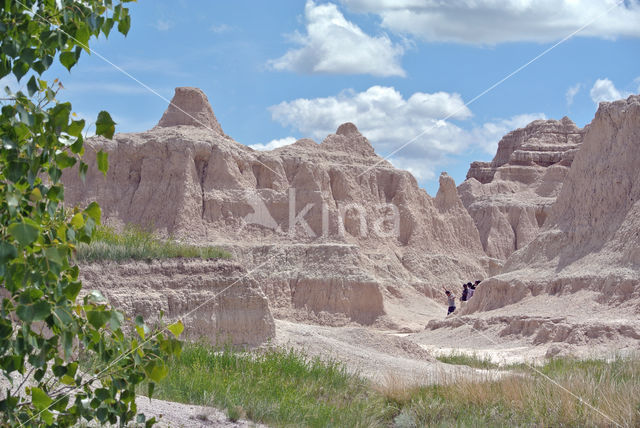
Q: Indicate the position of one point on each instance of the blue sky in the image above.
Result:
(281, 70)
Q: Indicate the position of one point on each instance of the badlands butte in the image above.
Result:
(336, 251)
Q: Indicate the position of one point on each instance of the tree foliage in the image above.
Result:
(46, 321)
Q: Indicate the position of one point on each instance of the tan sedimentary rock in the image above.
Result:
(510, 197)
(189, 290)
(334, 232)
(590, 243)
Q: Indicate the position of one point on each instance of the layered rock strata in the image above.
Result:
(215, 300)
(590, 243)
(510, 197)
(329, 228)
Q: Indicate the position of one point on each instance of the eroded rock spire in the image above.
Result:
(190, 107)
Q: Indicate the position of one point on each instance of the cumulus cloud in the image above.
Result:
(388, 120)
(274, 144)
(334, 45)
(572, 92)
(605, 90)
(499, 21)
(489, 134)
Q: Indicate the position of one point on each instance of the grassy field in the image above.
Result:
(137, 243)
(462, 359)
(285, 388)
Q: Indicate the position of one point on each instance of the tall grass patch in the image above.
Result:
(462, 359)
(138, 243)
(278, 387)
(283, 387)
(567, 395)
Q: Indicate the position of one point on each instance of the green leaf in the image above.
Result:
(107, 26)
(47, 417)
(35, 312)
(64, 315)
(140, 331)
(95, 296)
(125, 22)
(82, 35)
(105, 126)
(76, 127)
(7, 252)
(103, 162)
(67, 342)
(20, 68)
(55, 255)
(16, 170)
(77, 221)
(156, 370)
(6, 329)
(94, 211)
(68, 59)
(176, 328)
(5, 66)
(32, 86)
(65, 161)
(72, 290)
(98, 318)
(25, 232)
(116, 319)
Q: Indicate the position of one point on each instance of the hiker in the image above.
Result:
(451, 300)
(465, 293)
(471, 289)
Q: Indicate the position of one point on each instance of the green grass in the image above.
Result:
(285, 388)
(137, 243)
(462, 359)
(279, 387)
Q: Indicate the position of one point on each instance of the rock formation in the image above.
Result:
(585, 262)
(510, 197)
(334, 233)
(188, 290)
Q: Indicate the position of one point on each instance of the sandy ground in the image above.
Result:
(172, 414)
(381, 356)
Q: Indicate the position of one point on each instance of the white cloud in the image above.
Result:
(421, 169)
(604, 90)
(220, 28)
(572, 92)
(334, 45)
(163, 25)
(499, 21)
(488, 135)
(274, 144)
(388, 120)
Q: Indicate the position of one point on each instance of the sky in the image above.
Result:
(423, 80)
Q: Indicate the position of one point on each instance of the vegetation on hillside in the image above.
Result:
(282, 387)
(138, 243)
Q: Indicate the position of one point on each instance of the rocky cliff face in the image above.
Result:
(590, 243)
(336, 232)
(215, 300)
(510, 197)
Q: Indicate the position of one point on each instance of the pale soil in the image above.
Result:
(172, 414)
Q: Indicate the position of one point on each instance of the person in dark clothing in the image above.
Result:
(472, 289)
(465, 293)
